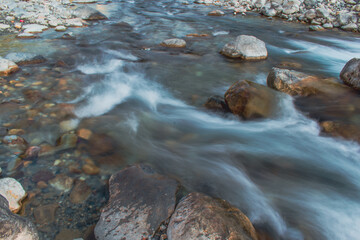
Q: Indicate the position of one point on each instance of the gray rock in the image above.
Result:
(88, 13)
(345, 18)
(26, 35)
(174, 43)
(328, 26)
(7, 67)
(4, 26)
(322, 12)
(84, 1)
(140, 200)
(245, 47)
(60, 29)
(22, 58)
(350, 74)
(350, 27)
(34, 28)
(290, 7)
(198, 216)
(310, 14)
(14, 227)
(316, 28)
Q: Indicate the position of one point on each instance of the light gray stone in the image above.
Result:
(245, 47)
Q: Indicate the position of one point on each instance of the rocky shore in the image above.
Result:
(320, 14)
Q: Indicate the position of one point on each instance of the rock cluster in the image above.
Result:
(321, 14)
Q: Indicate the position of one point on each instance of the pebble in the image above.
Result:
(90, 169)
(60, 29)
(62, 182)
(45, 214)
(80, 192)
(84, 133)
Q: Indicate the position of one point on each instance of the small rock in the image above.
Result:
(88, 13)
(74, 22)
(90, 169)
(216, 13)
(350, 74)
(7, 67)
(67, 141)
(250, 100)
(316, 28)
(15, 141)
(350, 27)
(60, 29)
(80, 192)
(4, 26)
(14, 227)
(16, 132)
(34, 28)
(68, 234)
(101, 144)
(45, 214)
(217, 103)
(245, 47)
(32, 152)
(200, 215)
(42, 176)
(62, 182)
(13, 192)
(174, 43)
(26, 35)
(84, 133)
(22, 58)
(310, 14)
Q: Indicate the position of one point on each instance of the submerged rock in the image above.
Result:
(88, 13)
(217, 103)
(174, 43)
(7, 67)
(340, 129)
(22, 58)
(140, 200)
(250, 100)
(14, 227)
(13, 192)
(45, 214)
(198, 216)
(245, 47)
(350, 74)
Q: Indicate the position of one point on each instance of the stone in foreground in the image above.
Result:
(198, 216)
(174, 43)
(13, 192)
(140, 200)
(245, 47)
(350, 74)
(7, 67)
(13, 226)
(250, 100)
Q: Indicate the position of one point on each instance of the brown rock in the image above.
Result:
(174, 43)
(250, 100)
(198, 216)
(216, 13)
(350, 74)
(80, 192)
(32, 152)
(140, 200)
(217, 103)
(90, 169)
(68, 234)
(101, 144)
(33, 95)
(62, 182)
(84, 133)
(67, 141)
(340, 129)
(45, 214)
(42, 175)
(16, 132)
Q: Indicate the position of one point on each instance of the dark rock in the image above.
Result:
(140, 200)
(250, 100)
(245, 47)
(13, 226)
(21, 58)
(350, 74)
(88, 13)
(101, 144)
(198, 216)
(32, 153)
(80, 192)
(217, 103)
(3, 131)
(32, 95)
(341, 129)
(42, 175)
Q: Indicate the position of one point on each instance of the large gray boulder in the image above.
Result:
(350, 74)
(201, 217)
(88, 13)
(140, 200)
(245, 47)
(14, 227)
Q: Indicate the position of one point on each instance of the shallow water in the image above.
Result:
(146, 100)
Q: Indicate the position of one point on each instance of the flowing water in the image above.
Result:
(291, 181)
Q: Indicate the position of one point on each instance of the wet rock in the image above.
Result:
(90, 169)
(45, 214)
(80, 192)
(216, 13)
(13, 192)
(67, 141)
(15, 142)
(42, 175)
(88, 13)
(34, 28)
(310, 14)
(60, 29)
(350, 74)
(32, 95)
(14, 227)
(140, 200)
(68, 36)
(328, 26)
(4, 26)
(198, 216)
(250, 100)
(32, 152)
(101, 144)
(217, 103)
(7, 67)
(291, 6)
(62, 182)
(74, 22)
(16, 131)
(174, 43)
(22, 58)
(84, 133)
(292, 82)
(245, 47)
(3, 131)
(26, 35)
(350, 27)
(341, 129)
(316, 28)
(68, 234)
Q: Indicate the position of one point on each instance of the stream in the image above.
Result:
(147, 102)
